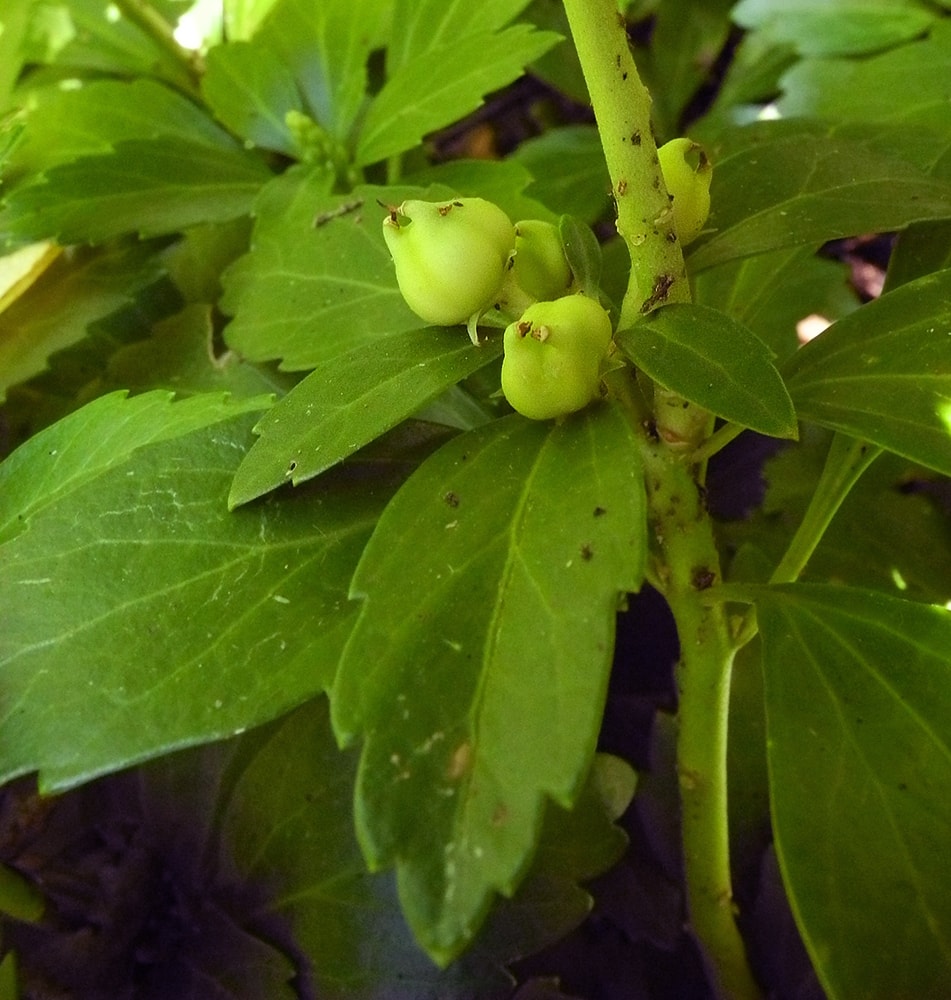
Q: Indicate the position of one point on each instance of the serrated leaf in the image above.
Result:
(250, 89)
(140, 616)
(95, 439)
(148, 187)
(319, 280)
(326, 47)
(180, 355)
(840, 27)
(442, 85)
(858, 716)
(883, 373)
(68, 124)
(347, 922)
(478, 667)
(793, 185)
(76, 291)
(422, 25)
(346, 403)
(712, 360)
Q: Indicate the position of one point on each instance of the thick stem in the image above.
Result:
(691, 566)
(622, 106)
(688, 559)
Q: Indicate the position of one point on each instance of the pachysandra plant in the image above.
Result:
(408, 666)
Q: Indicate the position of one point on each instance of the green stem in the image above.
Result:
(847, 459)
(622, 109)
(688, 560)
(684, 532)
(717, 441)
(148, 19)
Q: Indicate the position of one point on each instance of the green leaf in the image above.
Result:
(68, 124)
(140, 616)
(326, 46)
(502, 181)
(419, 26)
(478, 667)
(180, 355)
(19, 898)
(96, 439)
(889, 534)
(148, 187)
(900, 88)
(793, 184)
(352, 400)
(319, 280)
(771, 292)
(75, 292)
(839, 27)
(583, 253)
(712, 360)
(442, 85)
(883, 373)
(14, 22)
(686, 38)
(242, 18)
(581, 183)
(919, 250)
(99, 41)
(858, 716)
(250, 89)
(288, 823)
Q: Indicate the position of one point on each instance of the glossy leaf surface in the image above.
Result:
(139, 615)
(859, 716)
(883, 373)
(347, 920)
(793, 184)
(319, 280)
(143, 187)
(715, 362)
(58, 310)
(490, 588)
(840, 27)
(441, 85)
(251, 90)
(351, 401)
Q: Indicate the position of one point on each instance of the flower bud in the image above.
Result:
(539, 266)
(688, 186)
(450, 256)
(553, 356)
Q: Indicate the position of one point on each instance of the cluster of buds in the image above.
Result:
(458, 260)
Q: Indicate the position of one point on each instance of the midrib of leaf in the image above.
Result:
(838, 639)
(436, 36)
